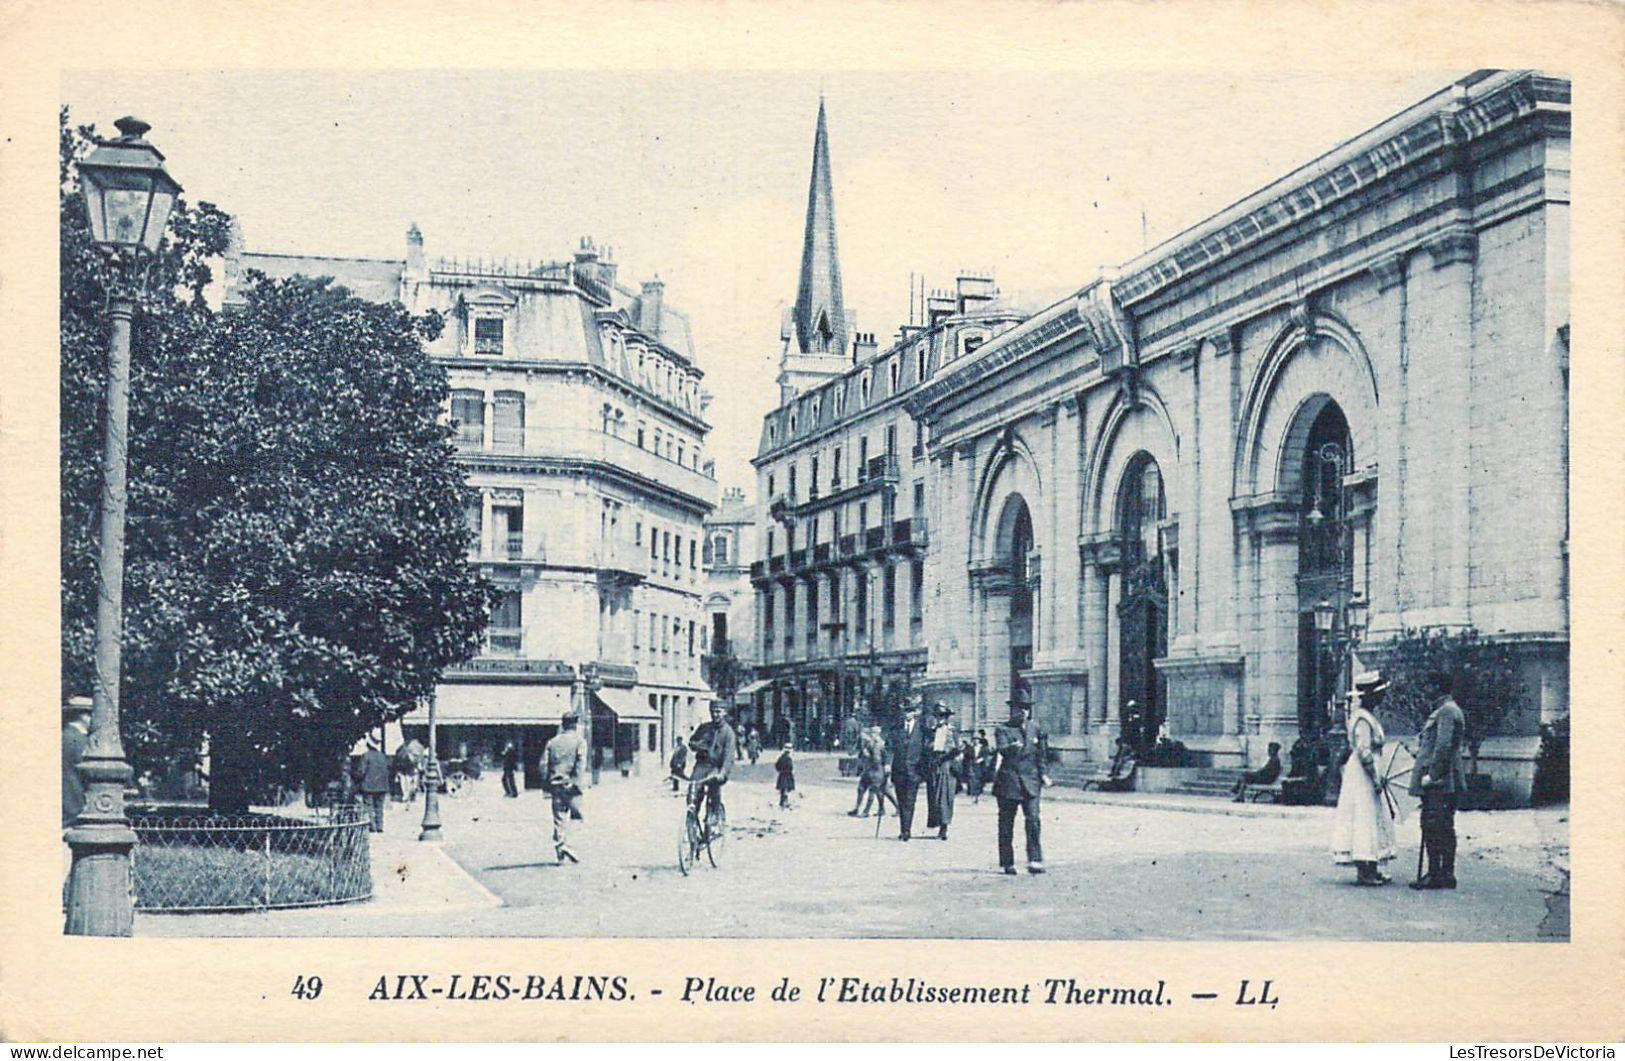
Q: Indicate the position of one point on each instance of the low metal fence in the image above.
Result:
(187, 860)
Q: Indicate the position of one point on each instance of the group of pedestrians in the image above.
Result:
(925, 751)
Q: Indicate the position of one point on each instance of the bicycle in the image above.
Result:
(700, 834)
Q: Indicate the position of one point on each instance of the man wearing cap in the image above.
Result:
(564, 764)
(1019, 779)
(939, 781)
(75, 736)
(715, 747)
(1438, 779)
(908, 766)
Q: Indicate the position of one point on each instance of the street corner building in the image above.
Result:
(1351, 387)
(578, 408)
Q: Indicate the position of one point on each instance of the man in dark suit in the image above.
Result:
(371, 773)
(75, 735)
(1022, 748)
(908, 766)
(1439, 779)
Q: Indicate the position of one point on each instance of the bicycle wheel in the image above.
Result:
(688, 841)
(717, 838)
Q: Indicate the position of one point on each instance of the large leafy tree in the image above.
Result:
(296, 565)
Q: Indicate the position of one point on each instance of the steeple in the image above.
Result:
(820, 315)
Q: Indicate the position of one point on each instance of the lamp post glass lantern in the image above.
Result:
(128, 198)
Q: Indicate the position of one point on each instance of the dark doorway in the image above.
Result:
(1021, 599)
(1325, 564)
(1142, 614)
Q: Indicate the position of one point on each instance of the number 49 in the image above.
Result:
(307, 987)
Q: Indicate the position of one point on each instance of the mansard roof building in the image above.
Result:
(579, 411)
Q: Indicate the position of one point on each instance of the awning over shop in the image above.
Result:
(495, 705)
(628, 705)
(752, 688)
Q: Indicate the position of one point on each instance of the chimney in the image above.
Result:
(654, 293)
(416, 267)
(863, 346)
(938, 306)
(606, 267)
(974, 287)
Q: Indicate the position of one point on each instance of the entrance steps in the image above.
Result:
(1211, 781)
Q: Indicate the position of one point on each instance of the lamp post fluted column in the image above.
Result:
(128, 196)
(431, 783)
(100, 898)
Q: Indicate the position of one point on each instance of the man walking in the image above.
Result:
(510, 767)
(372, 781)
(1438, 778)
(564, 763)
(1018, 781)
(908, 767)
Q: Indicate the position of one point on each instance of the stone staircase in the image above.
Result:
(1213, 781)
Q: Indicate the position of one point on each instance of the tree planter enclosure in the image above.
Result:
(187, 860)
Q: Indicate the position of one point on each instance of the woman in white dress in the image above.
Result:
(1363, 830)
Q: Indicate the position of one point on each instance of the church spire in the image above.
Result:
(820, 314)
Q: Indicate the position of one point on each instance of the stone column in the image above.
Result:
(1276, 528)
(488, 406)
(990, 588)
(1454, 255)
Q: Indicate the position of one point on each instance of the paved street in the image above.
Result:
(1136, 871)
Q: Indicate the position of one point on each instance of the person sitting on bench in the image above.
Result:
(1265, 775)
(1121, 779)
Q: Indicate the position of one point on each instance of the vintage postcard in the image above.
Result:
(846, 522)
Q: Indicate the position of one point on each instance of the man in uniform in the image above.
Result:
(908, 766)
(564, 763)
(1022, 749)
(715, 747)
(1438, 778)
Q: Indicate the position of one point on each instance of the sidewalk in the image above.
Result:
(409, 877)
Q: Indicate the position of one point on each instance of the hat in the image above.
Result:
(912, 705)
(942, 710)
(77, 705)
(571, 714)
(1368, 682)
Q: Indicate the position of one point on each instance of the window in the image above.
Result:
(891, 440)
(637, 628)
(681, 455)
(972, 342)
(919, 498)
(835, 470)
(637, 532)
(812, 487)
(916, 592)
(772, 433)
(862, 604)
(863, 515)
(642, 429)
(506, 621)
(840, 398)
(691, 637)
(770, 487)
(508, 523)
(770, 541)
(659, 438)
(653, 621)
(888, 597)
(812, 610)
(919, 363)
(789, 613)
(792, 482)
(863, 388)
(709, 556)
(468, 416)
(665, 638)
(654, 547)
(693, 555)
(508, 420)
(665, 546)
(792, 421)
(893, 371)
(719, 550)
(863, 459)
(488, 336)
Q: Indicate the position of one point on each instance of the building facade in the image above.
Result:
(1344, 396)
(579, 416)
(842, 483)
(729, 641)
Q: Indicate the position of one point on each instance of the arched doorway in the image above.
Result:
(1142, 613)
(1325, 564)
(1021, 597)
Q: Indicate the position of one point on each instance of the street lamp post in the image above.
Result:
(431, 783)
(128, 197)
(587, 681)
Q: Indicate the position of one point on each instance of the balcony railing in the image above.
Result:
(595, 446)
(874, 538)
(882, 467)
(515, 545)
(506, 639)
(849, 544)
(821, 553)
(758, 568)
(798, 559)
(470, 435)
(775, 564)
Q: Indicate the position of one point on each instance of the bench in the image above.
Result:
(1258, 792)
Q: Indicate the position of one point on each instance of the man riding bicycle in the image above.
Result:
(714, 747)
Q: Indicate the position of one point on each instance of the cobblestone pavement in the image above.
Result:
(1143, 871)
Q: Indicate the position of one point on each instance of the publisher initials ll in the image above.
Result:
(1245, 997)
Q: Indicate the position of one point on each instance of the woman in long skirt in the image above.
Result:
(1363, 831)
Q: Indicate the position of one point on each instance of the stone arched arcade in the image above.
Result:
(1004, 566)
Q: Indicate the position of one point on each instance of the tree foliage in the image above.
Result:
(296, 565)
(1485, 675)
